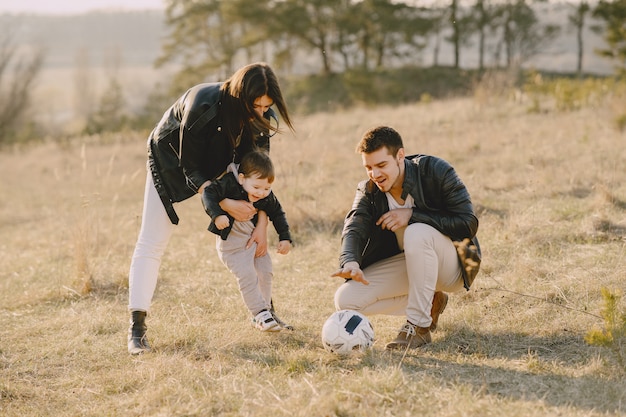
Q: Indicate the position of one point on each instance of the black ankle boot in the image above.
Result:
(137, 341)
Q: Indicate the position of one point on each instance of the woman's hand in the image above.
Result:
(240, 210)
(259, 236)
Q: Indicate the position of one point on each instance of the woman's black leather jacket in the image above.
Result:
(189, 146)
(441, 201)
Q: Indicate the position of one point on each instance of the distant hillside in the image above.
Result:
(136, 34)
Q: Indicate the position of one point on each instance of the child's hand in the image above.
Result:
(283, 247)
(222, 222)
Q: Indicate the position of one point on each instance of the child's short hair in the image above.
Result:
(257, 162)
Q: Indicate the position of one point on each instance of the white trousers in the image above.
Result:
(254, 275)
(405, 284)
(155, 233)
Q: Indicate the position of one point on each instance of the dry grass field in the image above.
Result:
(550, 191)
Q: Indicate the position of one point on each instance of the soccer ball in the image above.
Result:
(347, 330)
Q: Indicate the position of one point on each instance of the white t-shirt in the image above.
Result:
(393, 204)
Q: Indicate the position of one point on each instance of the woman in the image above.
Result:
(209, 127)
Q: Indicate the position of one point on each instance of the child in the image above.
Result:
(254, 275)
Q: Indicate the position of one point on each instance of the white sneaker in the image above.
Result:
(265, 322)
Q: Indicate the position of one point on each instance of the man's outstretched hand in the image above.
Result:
(351, 270)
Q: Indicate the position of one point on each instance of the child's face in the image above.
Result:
(257, 188)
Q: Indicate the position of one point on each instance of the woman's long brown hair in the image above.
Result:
(241, 89)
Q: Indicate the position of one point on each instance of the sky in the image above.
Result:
(75, 6)
(80, 6)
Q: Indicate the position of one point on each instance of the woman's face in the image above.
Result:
(262, 104)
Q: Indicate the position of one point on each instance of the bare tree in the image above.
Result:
(483, 18)
(312, 22)
(613, 15)
(19, 69)
(438, 16)
(455, 38)
(204, 38)
(523, 36)
(83, 85)
(110, 115)
(577, 20)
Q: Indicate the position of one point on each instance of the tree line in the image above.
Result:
(209, 36)
(215, 36)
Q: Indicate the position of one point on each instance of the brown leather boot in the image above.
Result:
(440, 301)
(137, 341)
(410, 336)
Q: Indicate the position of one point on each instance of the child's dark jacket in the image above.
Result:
(229, 187)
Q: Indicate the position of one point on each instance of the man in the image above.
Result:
(408, 239)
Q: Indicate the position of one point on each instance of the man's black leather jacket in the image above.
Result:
(189, 146)
(229, 187)
(441, 201)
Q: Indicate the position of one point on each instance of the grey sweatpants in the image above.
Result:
(254, 275)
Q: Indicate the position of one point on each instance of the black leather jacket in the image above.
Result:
(441, 201)
(229, 187)
(188, 146)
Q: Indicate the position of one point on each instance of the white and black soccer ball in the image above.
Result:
(346, 331)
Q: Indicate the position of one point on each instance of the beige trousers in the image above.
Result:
(254, 275)
(405, 284)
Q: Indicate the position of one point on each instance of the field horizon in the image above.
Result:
(550, 192)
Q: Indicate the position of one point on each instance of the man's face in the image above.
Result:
(257, 188)
(384, 169)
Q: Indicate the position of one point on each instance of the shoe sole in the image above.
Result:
(138, 351)
(272, 329)
(409, 344)
(275, 328)
(137, 346)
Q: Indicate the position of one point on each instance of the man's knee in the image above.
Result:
(418, 235)
(345, 299)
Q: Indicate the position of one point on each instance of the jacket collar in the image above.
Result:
(410, 176)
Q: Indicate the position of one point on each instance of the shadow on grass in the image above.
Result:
(509, 365)
(524, 367)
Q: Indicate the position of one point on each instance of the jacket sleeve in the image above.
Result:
(195, 110)
(449, 207)
(276, 214)
(212, 195)
(193, 150)
(357, 227)
(191, 166)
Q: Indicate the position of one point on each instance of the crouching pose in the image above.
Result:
(408, 239)
(252, 183)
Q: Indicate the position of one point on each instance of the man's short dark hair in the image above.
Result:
(378, 137)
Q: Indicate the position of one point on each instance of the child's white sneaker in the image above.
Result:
(265, 322)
